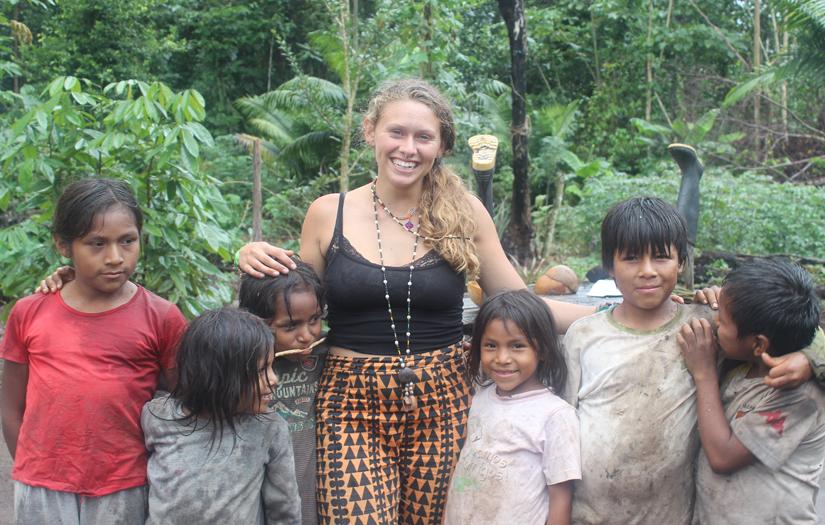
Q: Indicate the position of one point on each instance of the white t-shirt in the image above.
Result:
(636, 403)
(516, 446)
(785, 431)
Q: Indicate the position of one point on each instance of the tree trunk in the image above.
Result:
(347, 20)
(257, 204)
(649, 63)
(426, 68)
(517, 239)
(757, 62)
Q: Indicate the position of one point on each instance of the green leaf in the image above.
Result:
(190, 143)
(742, 90)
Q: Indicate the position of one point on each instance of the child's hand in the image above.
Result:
(56, 280)
(698, 349)
(709, 296)
(787, 371)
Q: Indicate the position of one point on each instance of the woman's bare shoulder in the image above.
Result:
(323, 207)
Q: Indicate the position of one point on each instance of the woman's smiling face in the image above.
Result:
(407, 141)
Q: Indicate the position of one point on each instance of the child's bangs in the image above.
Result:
(644, 234)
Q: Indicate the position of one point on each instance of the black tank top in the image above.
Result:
(357, 309)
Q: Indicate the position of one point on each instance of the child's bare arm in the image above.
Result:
(725, 453)
(561, 503)
(15, 380)
(791, 370)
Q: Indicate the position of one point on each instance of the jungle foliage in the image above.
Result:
(166, 94)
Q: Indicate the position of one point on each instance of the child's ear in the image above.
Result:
(63, 247)
(761, 345)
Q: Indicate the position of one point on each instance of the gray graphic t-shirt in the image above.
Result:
(295, 402)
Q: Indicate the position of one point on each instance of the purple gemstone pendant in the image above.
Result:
(409, 225)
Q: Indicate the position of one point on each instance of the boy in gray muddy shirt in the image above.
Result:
(634, 396)
(292, 304)
(762, 448)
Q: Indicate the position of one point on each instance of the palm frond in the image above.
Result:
(313, 88)
(311, 147)
(266, 118)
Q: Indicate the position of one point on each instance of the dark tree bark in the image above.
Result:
(518, 236)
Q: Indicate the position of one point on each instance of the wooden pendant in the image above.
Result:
(409, 403)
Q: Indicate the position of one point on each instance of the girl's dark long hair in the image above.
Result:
(533, 317)
(218, 366)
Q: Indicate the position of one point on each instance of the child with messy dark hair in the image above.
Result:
(217, 452)
(762, 447)
(292, 305)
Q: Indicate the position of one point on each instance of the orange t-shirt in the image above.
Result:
(89, 377)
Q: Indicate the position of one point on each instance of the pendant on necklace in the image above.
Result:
(409, 225)
(409, 403)
(408, 400)
(407, 376)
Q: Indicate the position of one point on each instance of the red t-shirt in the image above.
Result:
(89, 377)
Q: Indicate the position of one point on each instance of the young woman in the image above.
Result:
(394, 255)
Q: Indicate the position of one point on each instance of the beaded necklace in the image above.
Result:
(406, 375)
(406, 221)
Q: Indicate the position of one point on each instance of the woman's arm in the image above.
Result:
(497, 274)
(561, 503)
(13, 405)
(261, 258)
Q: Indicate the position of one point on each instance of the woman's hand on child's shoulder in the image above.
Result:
(708, 296)
(698, 348)
(56, 280)
(261, 258)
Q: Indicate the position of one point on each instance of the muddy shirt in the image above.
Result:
(636, 404)
(785, 431)
(248, 480)
(295, 402)
(516, 446)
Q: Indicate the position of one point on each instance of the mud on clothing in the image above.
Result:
(636, 404)
(516, 447)
(785, 431)
(295, 402)
(248, 478)
(89, 376)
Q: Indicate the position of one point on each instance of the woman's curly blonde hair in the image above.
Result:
(446, 213)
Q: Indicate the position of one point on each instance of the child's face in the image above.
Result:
(267, 381)
(646, 281)
(302, 328)
(727, 335)
(105, 258)
(508, 358)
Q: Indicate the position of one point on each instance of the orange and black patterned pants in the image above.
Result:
(376, 463)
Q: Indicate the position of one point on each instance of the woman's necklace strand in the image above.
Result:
(406, 222)
(405, 375)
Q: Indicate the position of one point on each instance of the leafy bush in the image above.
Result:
(145, 134)
(745, 214)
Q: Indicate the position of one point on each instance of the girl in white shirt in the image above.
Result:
(522, 449)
